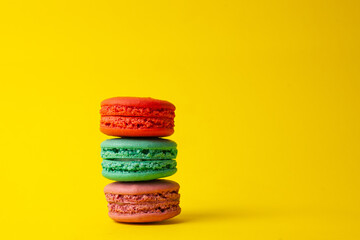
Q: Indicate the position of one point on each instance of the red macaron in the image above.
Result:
(137, 117)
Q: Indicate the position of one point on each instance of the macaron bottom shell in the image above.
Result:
(137, 176)
(122, 132)
(143, 217)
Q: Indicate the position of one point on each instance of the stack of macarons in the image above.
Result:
(137, 157)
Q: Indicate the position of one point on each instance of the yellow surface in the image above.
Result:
(268, 120)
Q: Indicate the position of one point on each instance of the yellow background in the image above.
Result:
(267, 119)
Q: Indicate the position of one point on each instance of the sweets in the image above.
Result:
(137, 117)
(137, 157)
(152, 201)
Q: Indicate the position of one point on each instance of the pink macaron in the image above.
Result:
(138, 202)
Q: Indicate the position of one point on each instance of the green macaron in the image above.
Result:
(138, 159)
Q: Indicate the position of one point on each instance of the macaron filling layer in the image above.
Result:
(151, 197)
(136, 122)
(120, 110)
(112, 153)
(121, 165)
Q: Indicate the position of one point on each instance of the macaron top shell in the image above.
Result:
(141, 143)
(131, 188)
(137, 102)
